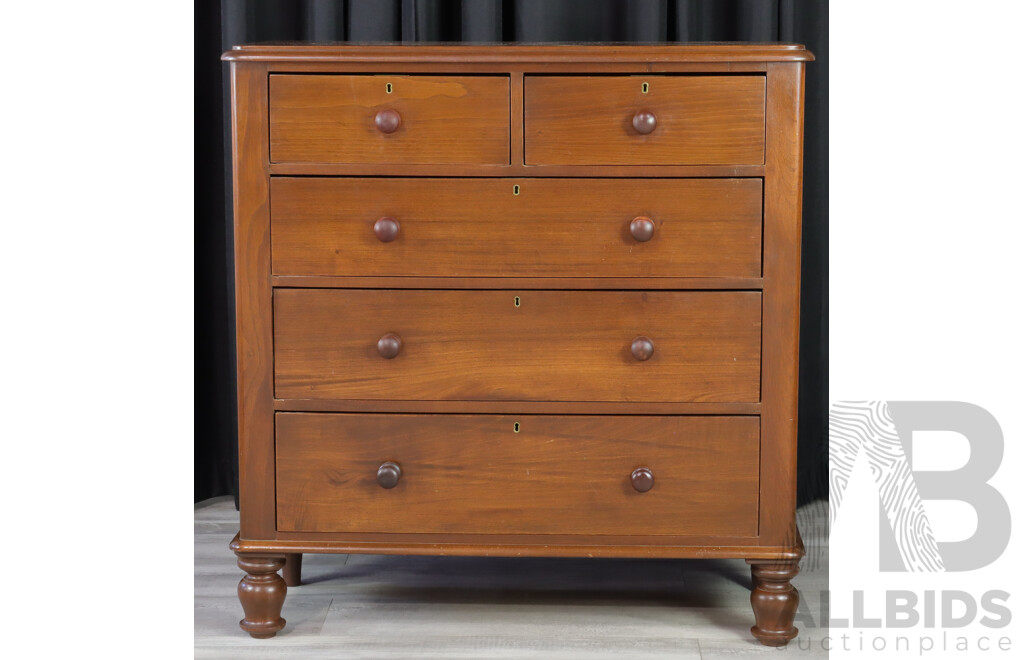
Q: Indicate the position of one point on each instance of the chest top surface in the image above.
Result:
(521, 52)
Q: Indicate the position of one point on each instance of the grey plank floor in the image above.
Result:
(365, 606)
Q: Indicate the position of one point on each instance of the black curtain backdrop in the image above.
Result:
(220, 26)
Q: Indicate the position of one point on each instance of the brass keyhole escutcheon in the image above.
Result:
(517, 301)
(515, 189)
(388, 88)
(515, 427)
(644, 88)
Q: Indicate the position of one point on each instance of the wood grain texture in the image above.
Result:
(780, 350)
(552, 228)
(556, 346)
(527, 68)
(554, 283)
(444, 119)
(517, 170)
(253, 307)
(477, 474)
(774, 601)
(589, 120)
(262, 592)
(516, 118)
(510, 545)
(561, 55)
(537, 407)
(545, 365)
(486, 545)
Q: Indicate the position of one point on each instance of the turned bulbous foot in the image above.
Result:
(261, 593)
(774, 601)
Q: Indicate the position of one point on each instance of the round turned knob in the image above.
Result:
(642, 479)
(386, 229)
(389, 120)
(389, 345)
(389, 473)
(644, 122)
(642, 348)
(642, 228)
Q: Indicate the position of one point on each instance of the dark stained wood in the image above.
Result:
(425, 119)
(491, 545)
(388, 474)
(609, 545)
(550, 68)
(563, 55)
(556, 346)
(644, 122)
(387, 120)
(389, 345)
(253, 308)
(261, 592)
(774, 600)
(292, 571)
(558, 122)
(516, 115)
(518, 170)
(683, 120)
(386, 229)
(539, 407)
(553, 283)
(642, 349)
(642, 479)
(780, 342)
(641, 228)
(475, 473)
(552, 228)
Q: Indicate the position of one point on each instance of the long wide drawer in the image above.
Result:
(389, 119)
(516, 227)
(518, 346)
(501, 474)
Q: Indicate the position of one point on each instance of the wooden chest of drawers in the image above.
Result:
(518, 300)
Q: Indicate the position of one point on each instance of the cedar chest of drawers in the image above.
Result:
(517, 300)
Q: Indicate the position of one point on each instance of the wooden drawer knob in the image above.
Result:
(642, 479)
(386, 229)
(642, 228)
(389, 120)
(645, 122)
(388, 474)
(642, 348)
(389, 345)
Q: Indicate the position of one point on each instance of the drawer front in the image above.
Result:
(466, 474)
(553, 346)
(423, 119)
(680, 120)
(482, 228)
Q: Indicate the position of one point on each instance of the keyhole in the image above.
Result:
(644, 88)
(515, 427)
(517, 301)
(389, 89)
(515, 189)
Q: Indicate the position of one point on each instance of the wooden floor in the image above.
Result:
(369, 606)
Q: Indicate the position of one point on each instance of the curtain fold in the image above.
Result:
(248, 21)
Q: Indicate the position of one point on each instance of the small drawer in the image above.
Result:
(389, 119)
(504, 474)
(644, 120)
(649, 346)
(516, 228)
